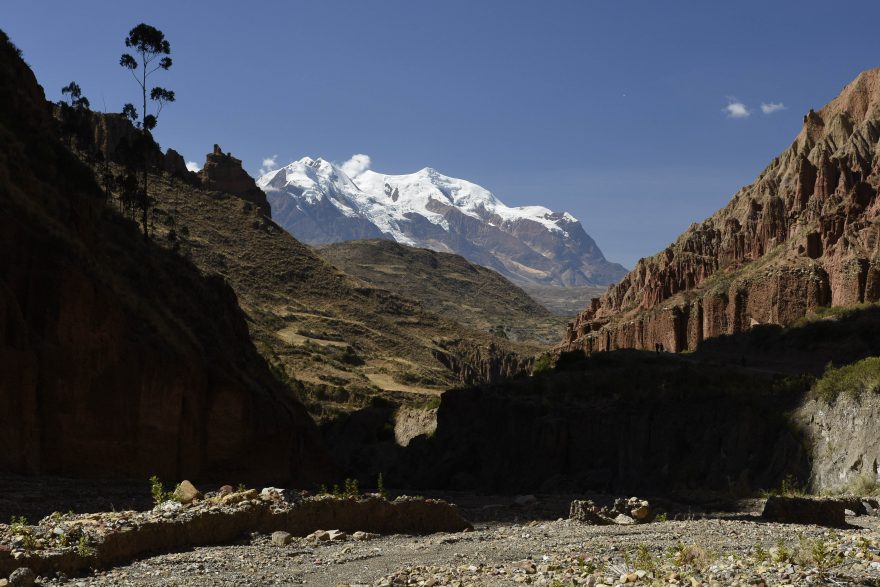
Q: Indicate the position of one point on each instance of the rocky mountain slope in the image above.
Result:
(804, 235)
(319, 203)
(339, 341)
(117, 357)
(449, 285)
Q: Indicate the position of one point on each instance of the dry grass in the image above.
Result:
(323, 331)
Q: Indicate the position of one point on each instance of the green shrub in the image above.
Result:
(157, 490)
(83, 549)
(855, 380)
(380, 487)
(542, 364)
(19, 527)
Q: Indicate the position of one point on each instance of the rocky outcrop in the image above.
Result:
(474, 364)
(805, 510)
(805, 234)
(118, 358)
(223, 173)
(844, 441)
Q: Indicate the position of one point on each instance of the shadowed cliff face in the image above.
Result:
(804, 235)
(675, 425)
(117, 357)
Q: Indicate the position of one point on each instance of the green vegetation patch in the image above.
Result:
(855, 380)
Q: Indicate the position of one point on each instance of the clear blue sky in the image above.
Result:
(611, 110)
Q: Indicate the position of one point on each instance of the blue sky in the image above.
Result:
(614, 111)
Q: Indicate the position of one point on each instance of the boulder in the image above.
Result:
(281, 538)
(186, 492)
(805, 510)
(23, 577)
(337, 535)
(586, 512)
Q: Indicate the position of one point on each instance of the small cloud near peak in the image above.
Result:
(736, 109)
(771, 107)
(193, 166)
(356, 165)
(269, 164)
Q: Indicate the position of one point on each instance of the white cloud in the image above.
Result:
(269, 164)
(193, 166)
(736, 109)
(356, 165)
(771, 107)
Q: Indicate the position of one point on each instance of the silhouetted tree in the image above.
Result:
(74, 94)
(151, 50)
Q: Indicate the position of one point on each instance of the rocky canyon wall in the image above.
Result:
(805, 234)
(117, 357)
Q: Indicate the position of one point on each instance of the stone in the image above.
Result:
(642, 513)
(22, 577)
(623, 519)
(526, 565)
(586, 512)
(281, 538)
(337, 535)
(239, 496)
(360, 536)
(272, 494)
(805, 510)
(186, 492)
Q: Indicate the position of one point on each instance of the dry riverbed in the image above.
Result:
(515, 541)
(724, 551)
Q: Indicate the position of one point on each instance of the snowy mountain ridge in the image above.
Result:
(319, 203)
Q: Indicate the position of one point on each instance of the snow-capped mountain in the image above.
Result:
(319, 203)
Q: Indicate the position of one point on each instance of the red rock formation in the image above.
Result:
(223, 172)
(805, 234)
(116, 356)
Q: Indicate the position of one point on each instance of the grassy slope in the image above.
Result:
(343, 339)
(476, 297)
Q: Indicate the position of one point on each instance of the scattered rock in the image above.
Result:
(337, 535)
(359, 535)
(23, 577)
(586, 512)
(624, 511)
(272, 494)
(281, 538)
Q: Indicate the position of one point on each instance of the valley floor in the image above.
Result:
(535, 545)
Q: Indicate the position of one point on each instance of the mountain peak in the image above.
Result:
(319, 203)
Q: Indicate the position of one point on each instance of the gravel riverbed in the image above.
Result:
(740, 550)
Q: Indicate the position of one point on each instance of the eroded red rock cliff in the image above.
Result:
(805, 234)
